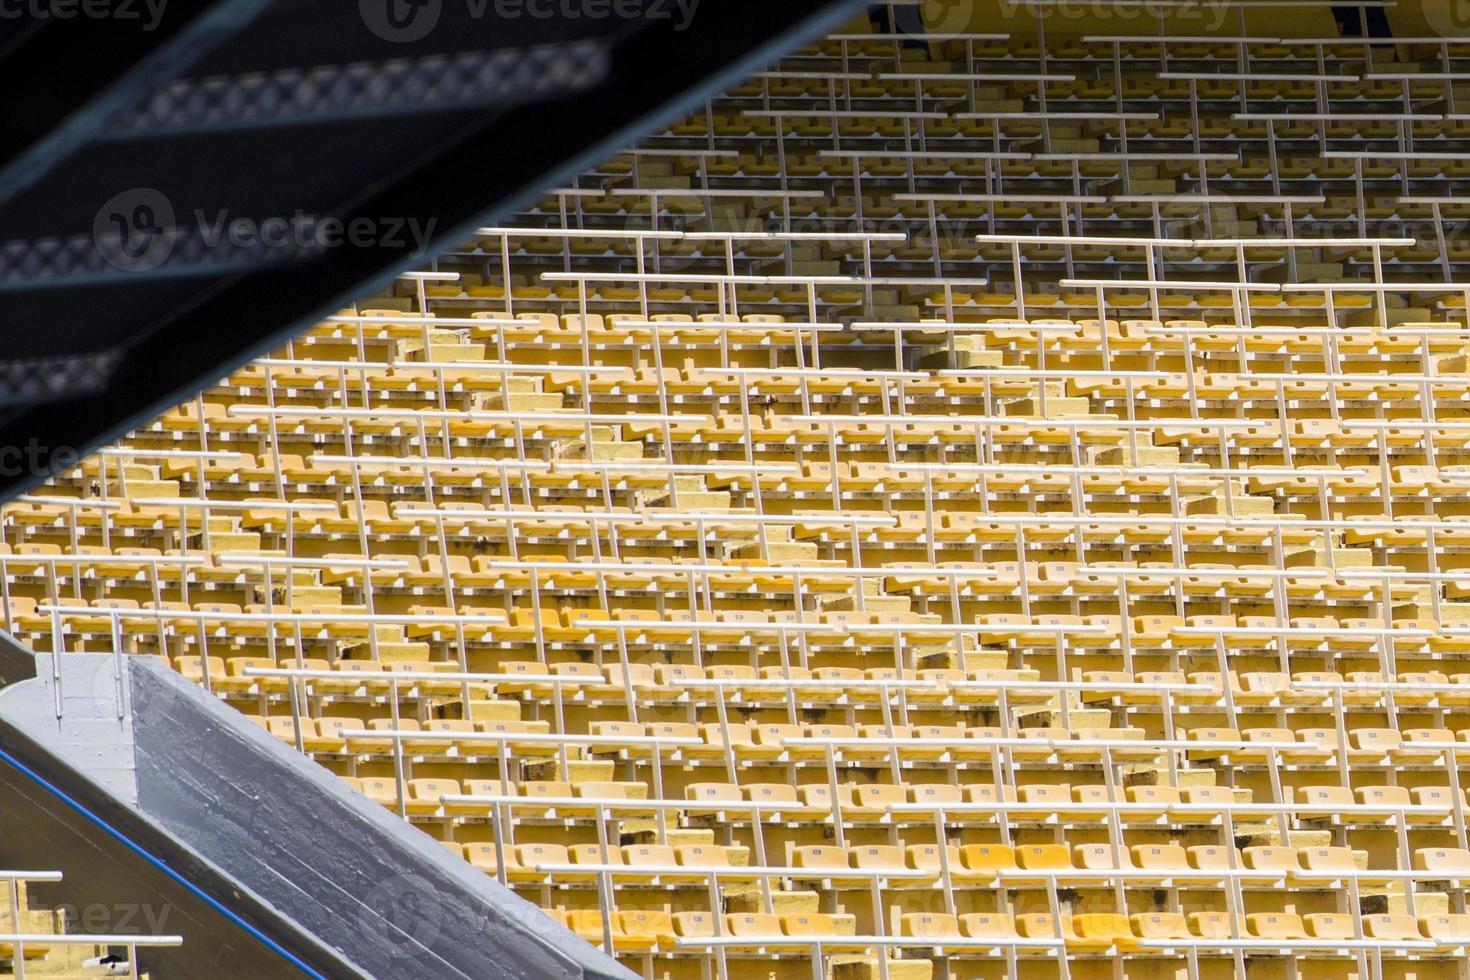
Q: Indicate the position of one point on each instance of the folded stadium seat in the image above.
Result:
(936, 795)
(1446, 930)
(1215, 857)
(1158, 860)
(777, 797)
(1266, 687)
(639, 857)
(381, 791)
(1453, 862)
(1056, 798)
(1053, 858)
(819, 857)
(705, 856)
(1329, 925)
(1275, 925)
(329, 734)
(1099, 857)
(753, 926)
(926, 857)
(1439, 797)
(1392, 927)
(284, 728)
(482, 857)
(1334, 860)
(929, 925)
(1159, 925)
(671, 679)
(1378, 746)
(373, 743)
(816, 798)
(594, 854)
(1216, 925)
(948, 733)
(873, 801)
(1416, 739)
(983, 861)
(1379, 803)
(590, 925)
(693, 925)
(1119, 753)
(1333, 796)
(529, 856)
(1108, 928)
(622, 678)
(236, 681)
(713, 794)
(1318, 746)
(1041, 925)
(1205, 737)
(424, 794)
(874, 857)
(518, 747)
(1090, 803)
(1272, 859)
(480, 788)
(543, 789)
(1157, 800)
(656, 928)
(821, 925)
(191, 668)
(1268, 736)
(999, 926)
(1420, 679)
(985, 693)
(769, 742)
(673, 731)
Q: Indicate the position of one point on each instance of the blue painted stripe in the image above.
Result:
(117, 835)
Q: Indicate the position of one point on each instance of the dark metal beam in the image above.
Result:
(246, 134)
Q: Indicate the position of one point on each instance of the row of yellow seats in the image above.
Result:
(1098, 932)
(974, 933)
(1059, 804)
(644, 931)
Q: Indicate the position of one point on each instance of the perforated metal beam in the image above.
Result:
(193, 206)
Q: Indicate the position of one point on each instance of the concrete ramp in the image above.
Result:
(146, 791)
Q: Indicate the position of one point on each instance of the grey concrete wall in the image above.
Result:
(90, 730)
(108, 889)
(279, 841)
(386, 895)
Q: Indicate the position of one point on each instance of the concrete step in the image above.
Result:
(578, 771)
(1214, 505)
(519, 401)
(233, 541)
(480, 710)
(1126, 456)
(1058, 407)
(777, 552)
